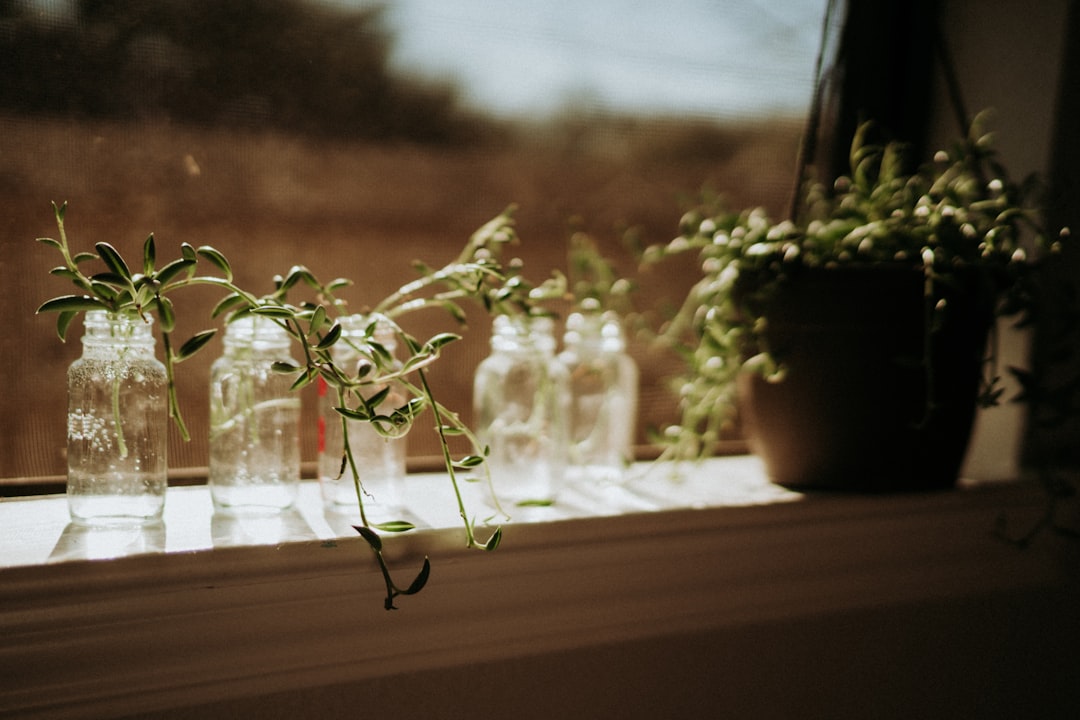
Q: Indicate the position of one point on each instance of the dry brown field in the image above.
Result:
(359, 211)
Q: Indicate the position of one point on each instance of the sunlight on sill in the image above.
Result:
(37, 530)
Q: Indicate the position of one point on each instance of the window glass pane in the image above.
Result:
(355, 138)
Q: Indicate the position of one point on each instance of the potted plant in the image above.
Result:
(852, 340)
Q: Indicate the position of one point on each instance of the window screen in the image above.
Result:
(355, 138)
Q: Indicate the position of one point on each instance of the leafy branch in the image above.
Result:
(120, 291)
(362, 390)
(317, 325)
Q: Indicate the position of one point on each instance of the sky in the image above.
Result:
(715, 58)
(701, 57)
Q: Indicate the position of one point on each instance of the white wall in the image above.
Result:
(1007, 56)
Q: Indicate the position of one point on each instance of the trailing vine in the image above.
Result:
(315, 325)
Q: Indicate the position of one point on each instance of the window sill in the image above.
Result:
(724, 583)
(37, 531)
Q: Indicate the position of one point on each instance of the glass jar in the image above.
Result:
(117, 426)
(603, 395)
(520, 405)
(254, 420)
(379, 460)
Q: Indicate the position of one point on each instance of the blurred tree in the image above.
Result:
(294, 65)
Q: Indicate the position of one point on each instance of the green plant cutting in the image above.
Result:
(477, 274)
(141, 293)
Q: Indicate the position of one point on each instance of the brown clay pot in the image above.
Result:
(852, 410)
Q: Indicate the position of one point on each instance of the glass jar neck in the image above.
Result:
(355, 329)
(523, 333)
(108, 331)
(594, 332)
(256, 333)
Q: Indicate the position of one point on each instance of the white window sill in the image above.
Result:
(729, 596)
(36, 530)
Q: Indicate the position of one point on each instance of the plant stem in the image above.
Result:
(350, 460)
(439, 414)
(121, 443)
(170, 374)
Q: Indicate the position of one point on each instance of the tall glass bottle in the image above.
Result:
(603, 395)
(117, 424)
(380, 461)
(520, 404)
(254, 421)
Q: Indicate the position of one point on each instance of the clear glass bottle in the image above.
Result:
(380, 461)
(254, 421)
(603, 395)
(520, 403)
(117, 424)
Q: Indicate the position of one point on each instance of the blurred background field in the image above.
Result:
(211, 153)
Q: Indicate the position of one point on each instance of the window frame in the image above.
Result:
(302, 623)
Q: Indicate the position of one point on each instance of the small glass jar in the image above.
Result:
(254, 421)
(380, 461)
(603, 395)
(117, 427)
(519, 404)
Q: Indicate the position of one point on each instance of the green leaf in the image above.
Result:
(149, 255)
(144, 297)
(535, 503)
(217, 259)
(334, 376)
(469, 461)
(451, 430)
(395, 526)
(384, 356)
(59, 211)
(72, 303)
(166, 314)
(274, 311)
(187, 252)
(493, 541)
(318, 320)
(105, 291)
(330, 337)
(110, 278)
(362, 415)
(113, 260)
(302, 380)
(63, 322)
(415, 406)
(376, 399)
(49, 241)
(194, 344)
(227, 303)
(420, 581)
(438, 341)
(416, 360)
(122, 299)
(338, 284)
(283, 367)
(370, 536)
(172, 269)
(83, 257)
(296, 274)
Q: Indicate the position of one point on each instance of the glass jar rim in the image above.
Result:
(106, 327)
(256, 330)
